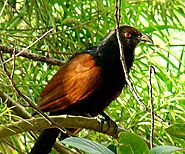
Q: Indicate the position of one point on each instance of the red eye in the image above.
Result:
(127, 35)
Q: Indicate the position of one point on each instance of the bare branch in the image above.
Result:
(26, 99)
(34, 57)
(16, 107)
(122, 58)
(20, 111)
(3, 8)
(13, 68)
(30, 44)
(37, 124)
(151, 105)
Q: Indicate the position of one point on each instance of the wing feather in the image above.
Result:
(74, 82)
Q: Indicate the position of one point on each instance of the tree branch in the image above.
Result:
(27, 99)
(122, 58)
(16, 107)
(37, 124)
(34, 57)
(46, 33)
(20, 111)
(151, 105)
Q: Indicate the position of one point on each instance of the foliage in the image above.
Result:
(129, 146)
(87, 145)
(79, 25)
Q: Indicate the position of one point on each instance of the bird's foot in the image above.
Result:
(110, 123)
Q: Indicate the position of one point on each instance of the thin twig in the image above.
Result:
(13, 68)
(20, 111)
(15, 106)
(26, 99)
(122, 58)
(15, 87)
(34, 57)
(30, 44)
(3, 8)
(151, 105)
(19, 92)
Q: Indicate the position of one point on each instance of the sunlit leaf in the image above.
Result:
(164, 149)
(87, 145)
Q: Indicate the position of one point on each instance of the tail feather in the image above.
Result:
(45, 141)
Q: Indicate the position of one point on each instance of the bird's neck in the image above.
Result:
(107, 54)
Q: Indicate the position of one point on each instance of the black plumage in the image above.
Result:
(89, 82)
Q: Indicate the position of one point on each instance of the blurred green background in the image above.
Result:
(79, 25)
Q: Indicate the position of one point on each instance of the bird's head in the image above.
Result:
(108, 49)
(130, 37)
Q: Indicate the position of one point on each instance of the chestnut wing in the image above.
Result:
(74, 82)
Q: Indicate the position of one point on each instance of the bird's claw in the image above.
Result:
(106, 119)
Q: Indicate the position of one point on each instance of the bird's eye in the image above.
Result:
(127, 35)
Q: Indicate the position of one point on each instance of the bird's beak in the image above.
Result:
(146, 38)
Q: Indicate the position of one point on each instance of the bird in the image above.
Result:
(88, 82)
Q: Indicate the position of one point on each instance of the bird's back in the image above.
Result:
(82, 85)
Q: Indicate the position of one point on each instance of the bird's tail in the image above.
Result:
(45, 141)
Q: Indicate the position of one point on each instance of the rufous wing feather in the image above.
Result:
(75, 81)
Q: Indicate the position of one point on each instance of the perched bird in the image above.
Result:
(88, 82)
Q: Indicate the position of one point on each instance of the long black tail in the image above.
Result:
(45, 141)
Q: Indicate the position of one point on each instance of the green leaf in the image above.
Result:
(132, 144)
(113, 148)
(126, 149)
(86, 145)
(177, 130)
(167, 149)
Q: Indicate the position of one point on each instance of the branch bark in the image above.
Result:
(151, 105)
(67, 121)
(21, 112)
(16, 107)
(122, 58)
(37, 40)
(35, 57)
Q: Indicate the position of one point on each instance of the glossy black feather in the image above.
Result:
(89, 82)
